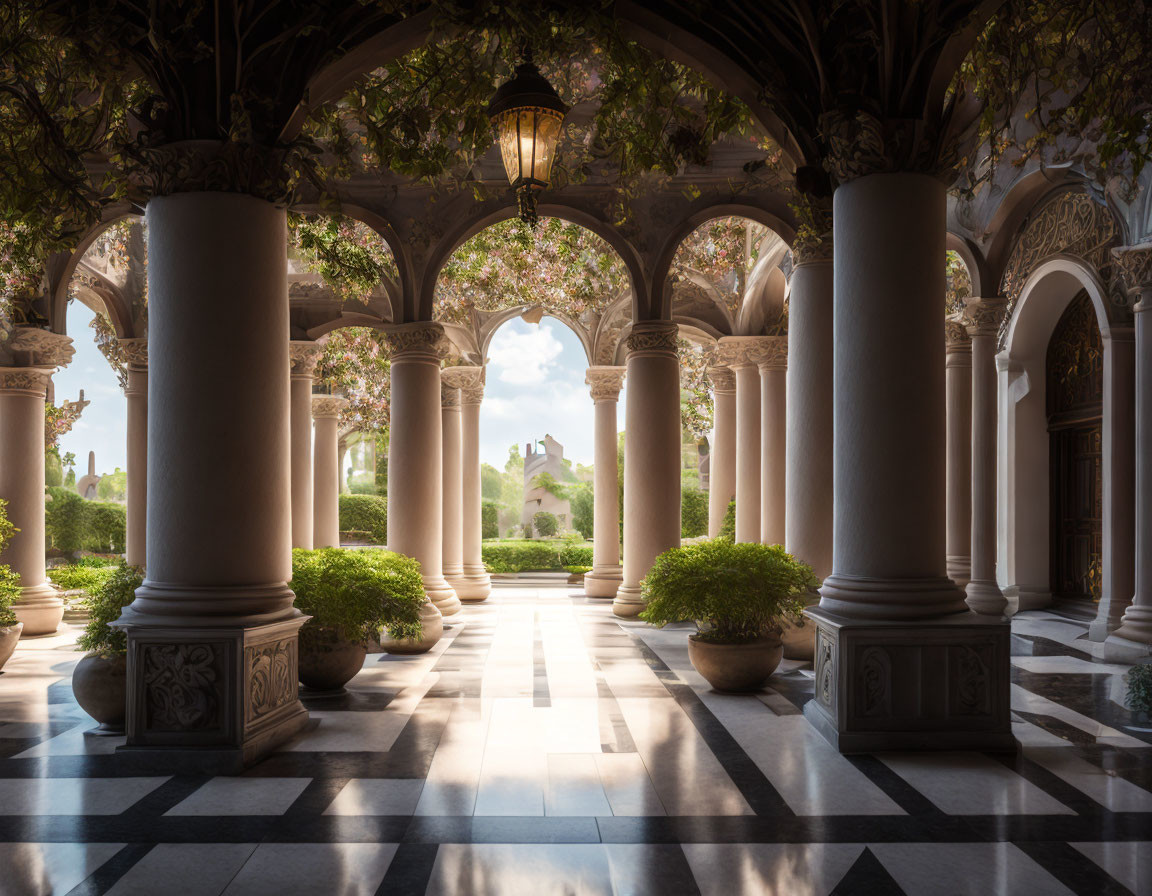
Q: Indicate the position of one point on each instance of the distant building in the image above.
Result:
(536, 499)
(86, 486)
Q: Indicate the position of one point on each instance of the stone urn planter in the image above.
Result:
(431, 631)
(327, 662)
(736, 668)
(100, 685)
(9, 635)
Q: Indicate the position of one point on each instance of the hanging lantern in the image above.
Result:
(527, 114)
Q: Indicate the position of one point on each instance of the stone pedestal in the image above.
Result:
(912, 685)
(136, 398)
(212, 634)
(651, 456)
(773, 367)
(474, 584)
(958, 386)
(326, 410)
(607, 574)
(453, 494)
(303, 357)
(415, 456)
(722, 458)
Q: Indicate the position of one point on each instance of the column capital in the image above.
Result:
(462, 376)
(985, 316)
(1135, 263)
(32, 347)
(135, 352)
(605, 382)
(957, 341)
(304, 356)
(449, 396)
(723, 379)
(327, 406)
(29, 380)
(422, 340)
(473, 394)
(653, 337)
(813, 242)
(770, 352)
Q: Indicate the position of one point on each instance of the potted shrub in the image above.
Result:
(740, 596)
(100, 680)
(1139, 680)
(352, 596)
(10, 626)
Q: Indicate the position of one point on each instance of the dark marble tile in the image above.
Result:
(107, 875)
(501, 829)
(1072, 868)
(410, 870)
(867, 875)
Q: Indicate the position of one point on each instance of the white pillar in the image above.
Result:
(475, 584)
(958, 390)
(453, 495)
(303, 357)
(722, 463)
(773, 368)
(415, 456)
(651, 456)
(325, 490)
(808, 515)
(136, 399)
(607, 574)
(984, 594)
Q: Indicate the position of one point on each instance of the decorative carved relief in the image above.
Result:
(227, 166)
(24, 379)
(32, 347)
(860, 144)
(956, 338)
(813, 242)
(762, 351)
(825, 668)
(462, 376)
(971, 680)
(135, 352)
(418, 339)
(1075, 359)
(775, 353)
(325, 406)
(449, 395)
(723, 379)
(985, 316)
(272, 676)
(605, 382)
(1135, 264)
(182, 686)
(653, 336)
(876, 682)
(304, 356)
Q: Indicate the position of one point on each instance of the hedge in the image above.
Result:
(489, 519)
(365, 514)
(75, 524)
(693, 513)
(75, 577)
(576, 555)
(523, 556)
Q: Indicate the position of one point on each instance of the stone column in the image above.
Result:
(985, 316)
(453, 493)
(808, 514)
(722, 465)
(341, 453)
(415, 456)
(136, 399)
(325, 490)
(1118, 472)
(958, 392)
(773, 366)
(651, 456)
(1136, 623)
(475, 583)
(33, 354)
(899, 662)
(212, 634)
(747, 452)
(303, 357)
(607, 574)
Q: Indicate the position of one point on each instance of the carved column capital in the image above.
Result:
(985, 316)
(29, 380)
(770, 352)
(813, 242)
(417, 341)
(775, 354)
(653, 337)
(304, 356)
(33, 347)
(135, 352)
(723, 379)
(1135, 263)
(956, 338)
(449, 396)
(327, 406)
(605, 382)
(219, 166)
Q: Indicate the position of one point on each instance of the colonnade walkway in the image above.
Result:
(547, 746)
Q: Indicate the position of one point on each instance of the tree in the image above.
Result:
(489, 519)
(113, 486)
(545, 523)
(491, 482)
(580, 497)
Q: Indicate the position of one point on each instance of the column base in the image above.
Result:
(628, 602)
(40, 608)
(475, 584)
(1027, 597)
(938, 684)
(1135, 628)
(986, 598)
(603, 581)
(959, 570)
(211, 700)
(432, 630)
(859, 597)
(441, 595)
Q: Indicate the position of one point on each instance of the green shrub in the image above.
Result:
(1140, 688)
(365, 513)
(9, 581)
(96, 561)
(576, 555)
(105, 527)
(734, 592)
(80, 577)
(693, 513)
(578, 570)
(489, 519)
(545, 523)
(519, 556)
(355, 594)
(728, 524)
(580, 497)
(104, 605)
(64, 520)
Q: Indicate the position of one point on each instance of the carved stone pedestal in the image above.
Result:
(211, 700)
(936, 684)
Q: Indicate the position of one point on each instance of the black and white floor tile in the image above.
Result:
(546, 747)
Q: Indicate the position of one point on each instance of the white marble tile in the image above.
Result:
(814, 869)
(1066, 665)
(627, 786)
(45, 869)
(960, 869)
(75, 742)
(514, 773)
(184, 869)
(1026, 701)
(73, 796)
(972, 784)
(350, 869)
(242, 796)
(377, 796)
(480, 869)
(1110, 791)
(574, 786)
(353, 732)
(1130, 862)
(454, 775)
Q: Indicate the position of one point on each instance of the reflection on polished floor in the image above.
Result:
(546, 747)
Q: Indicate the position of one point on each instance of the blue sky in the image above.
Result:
(535, 386)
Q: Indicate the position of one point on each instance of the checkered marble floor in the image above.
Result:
(547, 747)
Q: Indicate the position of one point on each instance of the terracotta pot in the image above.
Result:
(736, 667)
(100, 685)
(432, 630)
(8, 638)
(328, 663)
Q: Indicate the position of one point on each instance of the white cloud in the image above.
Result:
(523, 356)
